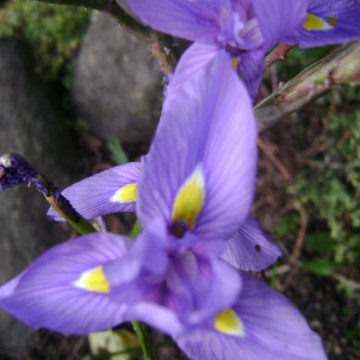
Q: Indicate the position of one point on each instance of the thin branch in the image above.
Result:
(342, 66)
(160, 45)
(278, 53)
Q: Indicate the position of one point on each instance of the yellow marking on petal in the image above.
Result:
(314, 22)
(125, 194)
(93, 280)
(229, 323)
(189, 200)
(235, 62)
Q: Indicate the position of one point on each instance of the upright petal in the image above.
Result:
(191, 20)
(66, 289)
(112, 190)
(262, 325)
(250, 248)
(329, 22)
(278, 19)
(208, 129)
(196, 57)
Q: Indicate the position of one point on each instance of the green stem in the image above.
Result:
(141, 332)
(62, 205)
(161, 45)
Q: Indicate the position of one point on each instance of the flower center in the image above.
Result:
(240, 33)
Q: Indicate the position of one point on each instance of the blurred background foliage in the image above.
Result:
(328, 183)
(54, 32)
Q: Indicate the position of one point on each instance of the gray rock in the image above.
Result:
(32, 125)
(117, 85)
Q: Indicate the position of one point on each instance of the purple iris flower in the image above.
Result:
(329, 22)
(194, 192)
(245, 29)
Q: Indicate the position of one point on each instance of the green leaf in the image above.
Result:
(320, 241)
(118, 154)
(320, 266)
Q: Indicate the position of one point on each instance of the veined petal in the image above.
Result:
(251, 70)
(209, 122)
(112, 190)
(196, 57)
(278, 19)
(250, 248)
(191, 20)
(329, 22)
(270, 328)
(67, 288)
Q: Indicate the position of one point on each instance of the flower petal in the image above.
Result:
(196, 57)
(251, 70)
(250, 248)
(194, 21)
(270, 328)
(112, 190)
(66, 289)
(278, 19)
(175, 278)
(340, 19)
(209, 125)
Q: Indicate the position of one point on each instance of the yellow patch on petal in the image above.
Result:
(189, 200)
(229, 323)
(314, 22)
(235, 62)
(125, 194)
(93, 280)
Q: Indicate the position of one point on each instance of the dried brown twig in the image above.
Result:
(342, 66)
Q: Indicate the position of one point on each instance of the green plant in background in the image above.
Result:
(328, 188)
(54, 32)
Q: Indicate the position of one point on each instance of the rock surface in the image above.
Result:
(117, 85)
(31, 125)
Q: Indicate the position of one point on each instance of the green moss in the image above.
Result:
(53, 31)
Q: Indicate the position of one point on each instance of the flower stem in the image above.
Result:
(141, 332)
(161, 45)
(15, 171)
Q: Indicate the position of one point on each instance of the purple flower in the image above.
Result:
(207, 149)
(245, 29)
(194, 192)
(329, 22)
(92, 283)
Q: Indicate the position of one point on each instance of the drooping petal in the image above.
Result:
(112, 190)
(191, 20)
(278, 19)
(262, 325)
(209, 126)
(329, 22)
(250, 248)
(66, 289)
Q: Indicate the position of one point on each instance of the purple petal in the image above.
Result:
(251, 70)
(192, 60)
(174, 278)
(194, 21)
(250, 248)
(273, 329)
(346, 25)
(44, 295)
(96, 195)
(210, 124)
(278, 19)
